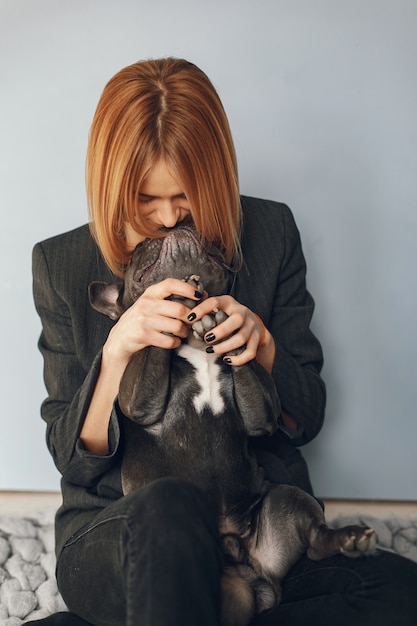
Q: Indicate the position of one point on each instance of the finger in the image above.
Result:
(161, 316)
(248, 354)
(236, 333)
(174, 286)
(213, 303)
(230, 328)
(144, 327)
(238, 360)
(172, 326)
(234, 342)
(150, 305)
(241, 325)
(165, 340)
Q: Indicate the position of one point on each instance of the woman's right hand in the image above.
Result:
(151, 321)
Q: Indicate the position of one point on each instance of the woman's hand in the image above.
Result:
(242, 329)
(151, 321)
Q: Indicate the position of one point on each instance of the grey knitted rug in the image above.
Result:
(28, 588)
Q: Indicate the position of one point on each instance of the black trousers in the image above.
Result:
(153, 558)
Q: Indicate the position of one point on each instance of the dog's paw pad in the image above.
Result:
(193, 280)
(219, 317)
(208, 322)
(201, 327)
(357, 540)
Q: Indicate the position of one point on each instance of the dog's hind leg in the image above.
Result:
(351, 541)
(290, 523)
(319, 539)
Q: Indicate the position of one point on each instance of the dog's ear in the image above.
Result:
(104, 298)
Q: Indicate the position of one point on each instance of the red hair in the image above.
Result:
(169, 109)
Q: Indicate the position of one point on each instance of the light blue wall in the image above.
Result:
(322, 100)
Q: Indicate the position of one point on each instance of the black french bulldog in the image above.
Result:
(191, 415)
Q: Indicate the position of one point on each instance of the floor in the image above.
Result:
(19, 503)
(16, 503)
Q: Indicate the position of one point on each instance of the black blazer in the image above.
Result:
(271, 283)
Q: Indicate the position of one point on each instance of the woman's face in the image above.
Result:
(161, 202)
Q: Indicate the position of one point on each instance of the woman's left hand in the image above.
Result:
(241, 329)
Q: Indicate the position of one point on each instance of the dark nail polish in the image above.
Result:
(227, 360)
(210, 337)
(198, 294)
(209, 350)
(191, 317)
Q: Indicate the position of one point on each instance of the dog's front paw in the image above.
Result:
(356, 540)
(208, 322)
(193, 280)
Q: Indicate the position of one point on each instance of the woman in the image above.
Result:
(160, 152)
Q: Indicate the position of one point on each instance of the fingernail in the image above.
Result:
(198, 294)
(227, 360)
(191, 317)
(209, 350)
(210, 337)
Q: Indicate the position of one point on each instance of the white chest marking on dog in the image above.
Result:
(207, 375)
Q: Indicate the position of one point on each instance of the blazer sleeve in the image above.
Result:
(69, 385)
(298, 357)
(273, 284)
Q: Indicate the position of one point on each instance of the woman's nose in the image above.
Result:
(169, 215)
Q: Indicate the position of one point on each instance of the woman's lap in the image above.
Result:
(371, 590)
(378, 590)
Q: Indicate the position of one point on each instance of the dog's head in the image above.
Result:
(180, 253)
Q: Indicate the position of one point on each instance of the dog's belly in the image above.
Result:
(201, 438)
